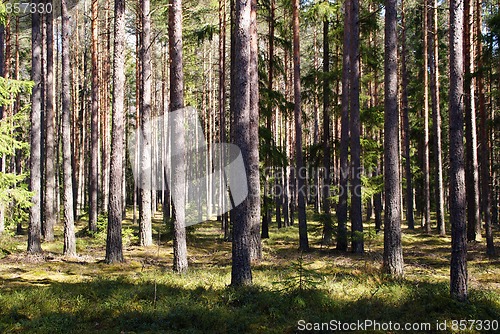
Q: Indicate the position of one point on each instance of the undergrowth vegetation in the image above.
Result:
(53, 294)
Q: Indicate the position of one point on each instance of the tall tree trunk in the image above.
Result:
(17, 105)
(299, 162)
(145, 227)
(232, 56)
(138, 105)
(471, 167)
(279, 166)
(34, 230)
(222, 102)
(393, 251)
(344, 133)
(2, 60)
(78, 79)
(43, 30)
(94, 124)
(292, 181)
(377, 202)
(50, 208)
(436, 121)
(58, 122)
(286, 179)
(4, 72)
(406, 124)
(177, 137)
(485, 144)
(241, 273)
(426, 166)
(355, 128)
(493, 138)
(114, 246)
(165, 100)
(327, 229)
(266, 218)
(69, 223)
(106, 74)
(315, 171)
(253, 156)
(458, 271)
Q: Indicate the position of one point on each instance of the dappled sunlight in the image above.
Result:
(143, 294)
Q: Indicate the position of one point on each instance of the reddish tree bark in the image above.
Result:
(114, 245)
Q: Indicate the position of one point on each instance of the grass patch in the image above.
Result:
(53, 294)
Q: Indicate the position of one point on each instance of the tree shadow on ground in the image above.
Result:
(142, 306)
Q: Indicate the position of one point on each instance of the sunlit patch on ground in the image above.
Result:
(50, 293)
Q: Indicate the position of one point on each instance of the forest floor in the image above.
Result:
(53, 294)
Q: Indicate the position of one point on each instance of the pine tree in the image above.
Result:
(253, 154)
(436, 120)
(145, 228)
(458, 272)
(299, 163)
(426, 165)
(69, 222)
(114, 246)
(50, 202)
(34, 230)
(241, 215)
(94, 127)
(344, 133)
(355, 139)
(177, 137)
(406, 123)
(484, 138)
(471, 165)
(393, 251)
(328, 228)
